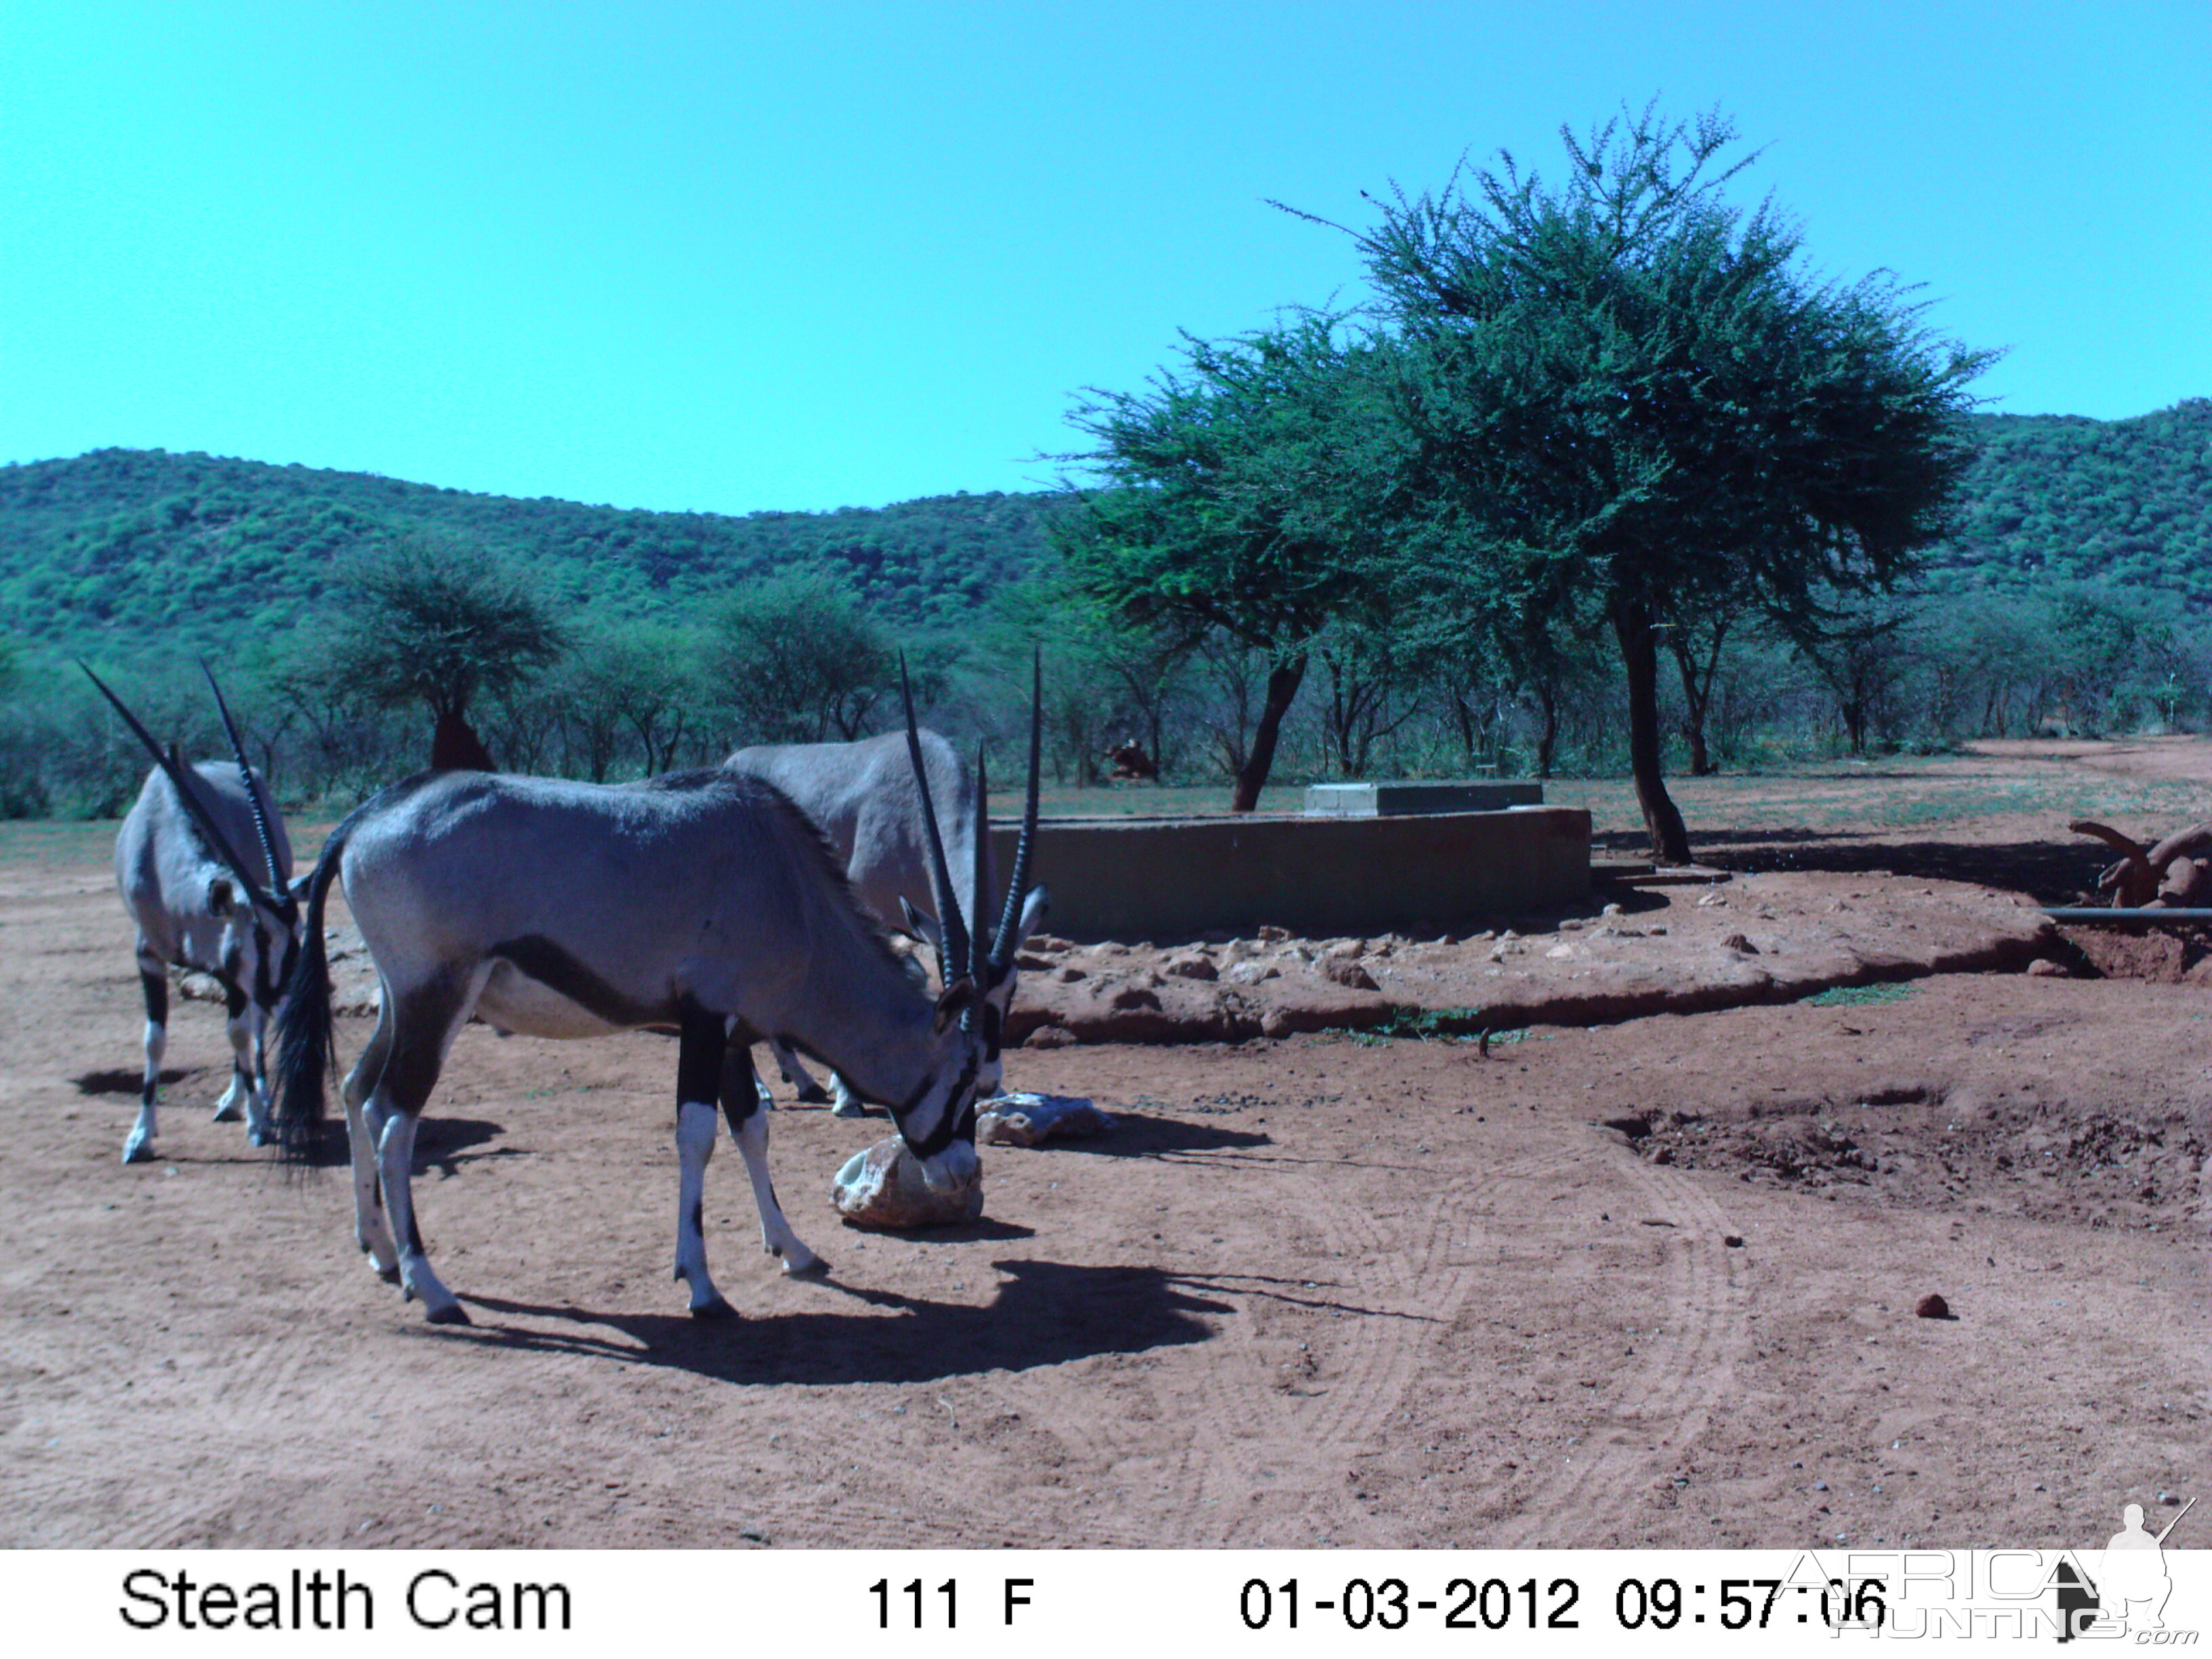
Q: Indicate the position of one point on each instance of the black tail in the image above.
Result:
(306, 1049)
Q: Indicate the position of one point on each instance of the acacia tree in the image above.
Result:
(430, 621)
(1623, 388)
(797, 661)
(1237, 499)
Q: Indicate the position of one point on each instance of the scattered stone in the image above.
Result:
(1135, 996)
(1346, 971)
(1275, 935)
(1068, 973)
(1193, 966)
(1051, 1037)
(884, 1187)
(1032, 962)
(2045, 968)
(1251, 973)
(1711, 899)
(1610, 910)
(1932, 1307)
(1734, 1241)
(1739, 944)
(1024, 1120)
(1561, 952)
(1051, 942)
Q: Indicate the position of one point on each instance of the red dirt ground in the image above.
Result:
(1316, 1289)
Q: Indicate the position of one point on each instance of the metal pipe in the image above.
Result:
(2094, 915)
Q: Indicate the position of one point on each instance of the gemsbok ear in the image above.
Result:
(956, 999)
(222, 898)
(1033, 908)
(921, 926)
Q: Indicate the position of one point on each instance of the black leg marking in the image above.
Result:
(234, 999)
(740, 1087)
(156, 987)
(699, 1055)
(414, 1048)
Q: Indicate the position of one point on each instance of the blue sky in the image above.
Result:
(730, 258)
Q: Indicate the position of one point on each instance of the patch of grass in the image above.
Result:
(1858, 996)
(1433, 1025)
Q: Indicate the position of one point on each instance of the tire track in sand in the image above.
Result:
(1686, 1367)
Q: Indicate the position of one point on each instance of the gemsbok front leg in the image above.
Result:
(154, 980)
(699, 1047)
(242, 1022)
(747, 1110)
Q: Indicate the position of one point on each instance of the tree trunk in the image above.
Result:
(454, 746)
(1639, 657)
(1283, 682)
(1547, 741)
(1696, 693)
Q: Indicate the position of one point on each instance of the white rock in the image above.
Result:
(1024, 1120)
(887, 1186)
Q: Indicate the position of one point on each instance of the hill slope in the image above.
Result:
(121, 544)
(2063, 498)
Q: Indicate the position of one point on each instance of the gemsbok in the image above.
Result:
(704, 902)
(197, 906)
(874, 801)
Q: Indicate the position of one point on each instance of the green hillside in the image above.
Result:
(2059, 499)
(123, 544)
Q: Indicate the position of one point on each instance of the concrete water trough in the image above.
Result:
(1321, 876)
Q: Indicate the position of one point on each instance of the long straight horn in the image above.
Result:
(174, 767)
(1010, 919)
(952, 932)
(253, 784)
(982, 906)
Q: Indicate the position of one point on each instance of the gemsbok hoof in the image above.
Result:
(812, 1095)
(716, 1312)
(228, 1112)
(135, 1150)
(451, 1314)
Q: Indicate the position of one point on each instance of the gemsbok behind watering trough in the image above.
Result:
(702, 901)
(198, 905)
(875, 802)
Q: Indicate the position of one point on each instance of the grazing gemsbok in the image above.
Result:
(198, 905)
(869, 800)
(703, 901)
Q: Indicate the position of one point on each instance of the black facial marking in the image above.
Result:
(556, 969)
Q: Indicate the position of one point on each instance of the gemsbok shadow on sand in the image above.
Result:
(1049, 1314)
(117, 1081)
(1141, 1135)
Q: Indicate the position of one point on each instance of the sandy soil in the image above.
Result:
(1650, 1281)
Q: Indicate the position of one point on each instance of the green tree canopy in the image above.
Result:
(433, 621)
(797, 661)
(1623, 388)
(1240, 495)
